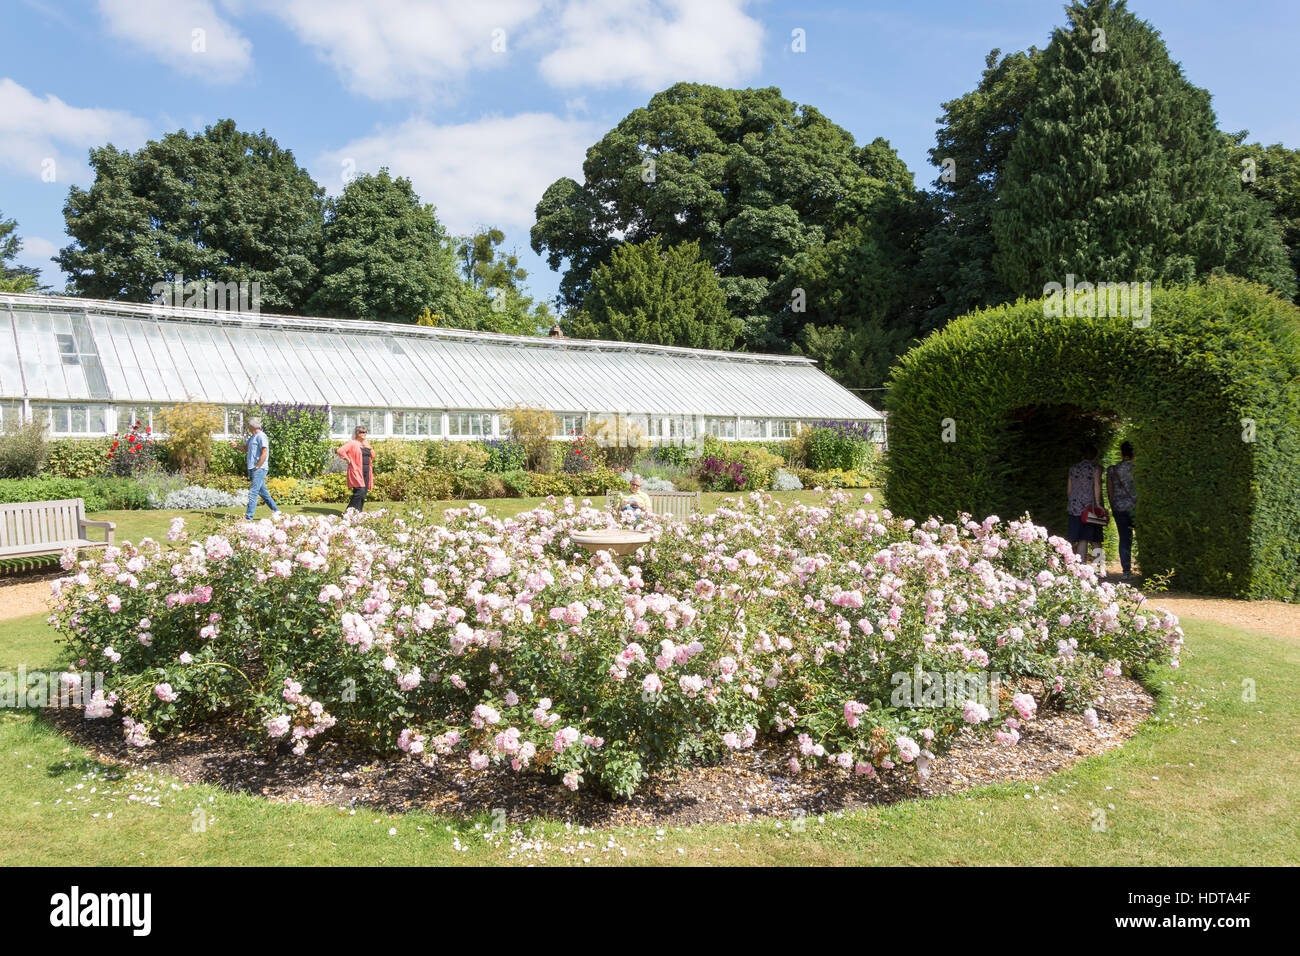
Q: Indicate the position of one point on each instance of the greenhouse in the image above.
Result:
(87, 367)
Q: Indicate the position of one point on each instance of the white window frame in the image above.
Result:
(375, 419)
(49, 411)
(718, 427)
(402, 418)
(460, 418)
(570, 430)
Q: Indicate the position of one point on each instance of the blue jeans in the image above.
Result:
(1124, 525)
(257, 489)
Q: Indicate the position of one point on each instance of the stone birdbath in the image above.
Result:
(618, 541)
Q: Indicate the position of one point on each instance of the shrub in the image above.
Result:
(99, 494)
(235, 484)
(516, 482)
(579, 456)
(228, 458)
(451, 455)
(988, 414)
(78, 457)
(332, 487)
(430, 485)
(719, 474)
(288, 491)
(512, 651)
(189, 428)
(50, 488)
(730, 468)
(650, 482)
(783, 480)
(477, 483)
(23, 450)
(197, 497)
(506, 454)
(156, 486)
(842, 446)
(396, 455)
(533, 428)
(299, 437)
(133, 453)
(676, 456)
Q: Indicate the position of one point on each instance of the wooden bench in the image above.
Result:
(678, 505)
(32, 528)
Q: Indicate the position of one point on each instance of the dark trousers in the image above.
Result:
(358, 499)
(1124, 525)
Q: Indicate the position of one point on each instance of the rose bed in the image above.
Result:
(849, 642)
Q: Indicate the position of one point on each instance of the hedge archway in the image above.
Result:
(987, 415)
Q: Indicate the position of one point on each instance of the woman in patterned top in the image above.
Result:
(1083, 491)
(1123, 502)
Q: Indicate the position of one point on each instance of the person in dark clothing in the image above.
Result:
(1122, 495)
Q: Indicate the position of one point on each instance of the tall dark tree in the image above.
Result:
(755, 179)
(663, 295)
(863, 293)
(15, 278)
(222, 205)
(971, 147)
(1273, 174)
(1119, 171)
(386, 257)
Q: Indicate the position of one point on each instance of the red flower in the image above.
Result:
(114, 445)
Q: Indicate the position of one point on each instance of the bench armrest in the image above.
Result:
(108, 527)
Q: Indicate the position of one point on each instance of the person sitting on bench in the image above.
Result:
(636, 503)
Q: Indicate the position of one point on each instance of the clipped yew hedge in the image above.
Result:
(1209, 394)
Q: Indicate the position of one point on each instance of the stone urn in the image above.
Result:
(618, 541)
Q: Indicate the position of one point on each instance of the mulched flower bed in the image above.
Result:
(748, 785)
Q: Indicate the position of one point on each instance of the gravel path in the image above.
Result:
(1275, 617)
(24, 597)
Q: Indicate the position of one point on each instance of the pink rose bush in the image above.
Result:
(489, 641)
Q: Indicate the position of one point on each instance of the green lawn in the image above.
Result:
(1211, 780)
(134, 525)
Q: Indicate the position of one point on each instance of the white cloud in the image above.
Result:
(488, 172)
(36, 251)
(398, 48)
(651, 45)
(187, 35)
(40, 135)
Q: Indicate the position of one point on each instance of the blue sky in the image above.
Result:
(483, 104)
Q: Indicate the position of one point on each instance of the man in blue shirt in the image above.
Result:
(259, 458)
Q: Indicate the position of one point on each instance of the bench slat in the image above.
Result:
(30, 528)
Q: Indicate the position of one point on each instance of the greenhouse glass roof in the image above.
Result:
(59, 349)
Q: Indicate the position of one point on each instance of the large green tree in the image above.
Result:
(864, 297)
(971, 148)
(1273, 174)
(1119, 171)
(222, 205)
(496, 279)
(754, 179)
(386, 257)
(663, 295)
